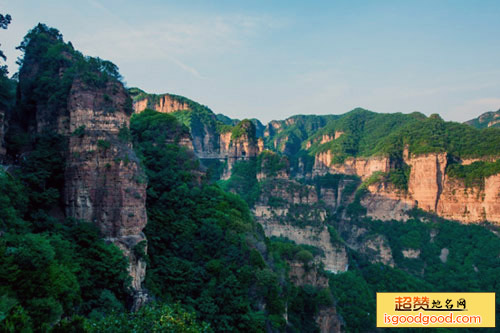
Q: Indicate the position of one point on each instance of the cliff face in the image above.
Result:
(103, 180)
(361, 166)
(207, 141)
(327, 318)
(426, 179)
(431, 189)
(104, 183)
(233, 149)
(294, 211)
(163, 103)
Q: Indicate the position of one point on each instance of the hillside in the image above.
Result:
(487, 119)
(373, 191)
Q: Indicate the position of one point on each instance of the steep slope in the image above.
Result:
(359, 211)
(82, 100)
(423, 158)
(205, 249)
(217, 140)
(487, 119)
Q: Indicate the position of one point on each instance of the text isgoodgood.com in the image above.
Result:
(424, 319)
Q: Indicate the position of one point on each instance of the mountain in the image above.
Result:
(126, 211)
(487, 119)
(377, 192)
(108, 220)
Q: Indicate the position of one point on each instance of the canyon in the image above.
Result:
(291, 206)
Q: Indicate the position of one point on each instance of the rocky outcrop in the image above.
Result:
(329, 321)
(103, 180)
(300, 275)
(385, 202)
(104, 183)
(240, 147)
(290, 192)
(162, 103)
(374, 246)
(206, 140)
(334, 258)
(426, 179)
(487, 119)
(362, 167)
(327, 318)
(411, 253)
(429, 188)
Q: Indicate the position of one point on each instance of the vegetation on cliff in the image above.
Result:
(368, 133)
(205, 250)
(471, 263)
(51, 268)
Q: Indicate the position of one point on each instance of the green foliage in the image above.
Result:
(399, 177)
(271, 163)
(294, 131)
(285, 249)
(304, 256)
(362, 132)
(243, 181)
(150, 318)
(475, 173)
(198, 235)
(79, 132)
(244, 128)
(103, 144)
(367, 134)
(50, 275)
(471, 266)
(124, 133)
(51, 268)
(214, 168)
(49, 68)
(226, 120)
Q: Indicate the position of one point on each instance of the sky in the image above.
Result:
(273, 59)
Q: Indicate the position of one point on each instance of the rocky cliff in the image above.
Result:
(361, 167)
(162, 103)
(327, 318)
(430, 188)
(292, 210)
(90, 109)
(104, 182)
(211, 139)
(239, 145)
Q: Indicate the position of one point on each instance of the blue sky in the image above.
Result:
(273, 59)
